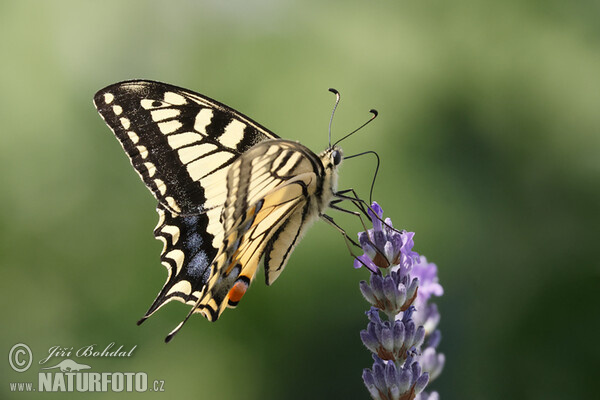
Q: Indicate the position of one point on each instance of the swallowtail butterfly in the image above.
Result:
(230, 192)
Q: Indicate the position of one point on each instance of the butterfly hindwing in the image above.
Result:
(270, 197)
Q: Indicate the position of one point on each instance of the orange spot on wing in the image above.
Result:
(237, 291)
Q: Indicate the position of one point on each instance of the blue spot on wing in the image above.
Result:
(198, 264)
(191, 221)
(193, 241)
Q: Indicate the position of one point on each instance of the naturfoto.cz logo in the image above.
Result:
(69, 375)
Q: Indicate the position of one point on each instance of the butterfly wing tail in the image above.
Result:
(187, 254)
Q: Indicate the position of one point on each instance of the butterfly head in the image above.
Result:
(332, 158)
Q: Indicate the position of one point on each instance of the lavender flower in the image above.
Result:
(404, 344)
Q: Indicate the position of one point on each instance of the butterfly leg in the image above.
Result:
(360, 204)
(341, 230)
(334, 205)
(330, 221)
(357, 201)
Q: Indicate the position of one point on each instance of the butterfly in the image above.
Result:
(230, 192)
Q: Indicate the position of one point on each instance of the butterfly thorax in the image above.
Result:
(331, 159)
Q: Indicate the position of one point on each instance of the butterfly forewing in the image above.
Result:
(229, 190)
(178, 141)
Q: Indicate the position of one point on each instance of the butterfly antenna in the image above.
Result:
(372, 111)
(337, 101)
(376, 169)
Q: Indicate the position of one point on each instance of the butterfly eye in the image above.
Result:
(336, 156)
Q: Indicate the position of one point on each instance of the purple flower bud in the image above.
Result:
(379, 377)
(411, 290)
(398, 335)
(432, 362)
(415, 368)
(434, 339)
(388, 251)
(387, 339)
(421, 382)
(405, 381)
(419, 337)
(367, 292)
(410, 330)
(401, 297)
(374, 330)
(388, 227)
(389, 291)
(369, 341)
(391, 374)
(428, 396)
(370, 384)
(364, 260)
(378, 361)
(377, 285)
(376, 220)
(426, 315)
(373, 315)
(367, 245)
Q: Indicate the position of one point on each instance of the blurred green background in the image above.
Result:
(489, 134)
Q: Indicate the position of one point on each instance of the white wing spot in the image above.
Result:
(188, 154)
(161, 217)
(125, 122)
(166, 264)
(182, 286)
(165, 244)
(143, 151)
(117, 110)
(165, 113)
(234, 133)
(183, 139)
(160, 185)
(148, 104)
(133, 136)
(169, 127)
(177, 256)
(174, 98)
(203, 120)
(108, 98)
(151, 168)
(172, 204)
(173, 231)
